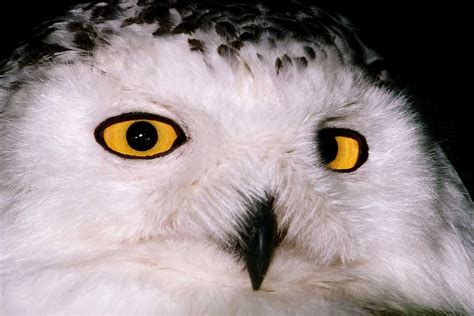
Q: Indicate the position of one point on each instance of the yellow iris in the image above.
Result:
(347, 154)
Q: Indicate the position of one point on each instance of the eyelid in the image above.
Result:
(355, 150)
(139, 116)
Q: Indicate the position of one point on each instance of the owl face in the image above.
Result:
(269, 154)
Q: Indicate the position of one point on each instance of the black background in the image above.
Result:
(426, 45)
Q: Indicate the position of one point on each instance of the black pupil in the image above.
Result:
(327, 146)
(142, 136)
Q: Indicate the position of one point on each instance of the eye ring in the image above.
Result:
(176, 138)
(342, 150)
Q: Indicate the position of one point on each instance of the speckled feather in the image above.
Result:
(90, 25)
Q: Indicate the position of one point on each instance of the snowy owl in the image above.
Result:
(220, 158)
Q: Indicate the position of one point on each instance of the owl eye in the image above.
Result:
(139, 135)
(342, 150)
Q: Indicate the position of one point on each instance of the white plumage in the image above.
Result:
(87, 230)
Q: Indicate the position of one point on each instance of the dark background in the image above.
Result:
(426, 46)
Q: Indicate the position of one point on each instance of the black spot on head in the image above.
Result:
(227, 52)
(286, 60)
(184, 28)
(53, 49)
(85, 36)
(283, 62)
(248, 37)
(196, 45)
(152, 14)
(104, 12)
(309, 51)
(84, 41)
(205, 20)
(278, 65)
(272, 43)
(226, 30)
(75, 27)
(247, 67)
(276, 33)
(379, 71)
(301, 62)
(236, 44)
(252, 33)
(129, 21)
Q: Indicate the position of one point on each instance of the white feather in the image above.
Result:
(85, 231)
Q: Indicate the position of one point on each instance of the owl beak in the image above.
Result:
(260, 239)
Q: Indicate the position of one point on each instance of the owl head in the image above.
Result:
(253, 150)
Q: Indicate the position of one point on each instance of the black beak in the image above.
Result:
(259, 237)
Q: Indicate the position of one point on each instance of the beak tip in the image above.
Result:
(256, 280)
(256, 286)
